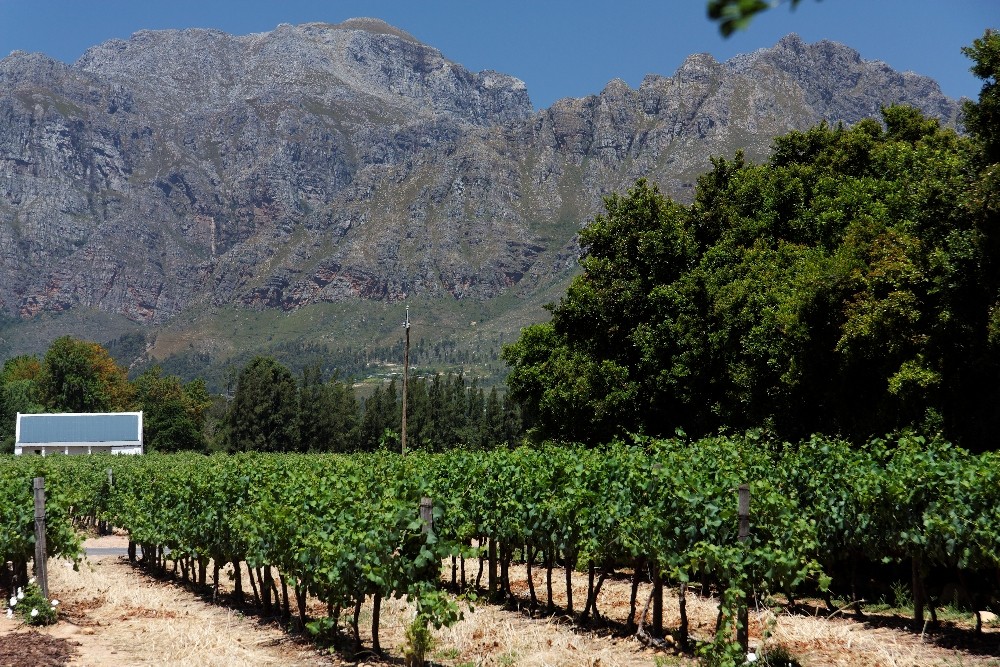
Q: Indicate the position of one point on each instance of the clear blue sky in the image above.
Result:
(560, 48)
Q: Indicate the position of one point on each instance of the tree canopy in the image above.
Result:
(848, 286)
(173, 412)
(264, 412)
(80, 376)
(982, 118)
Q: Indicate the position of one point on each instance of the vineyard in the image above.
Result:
(825, 519)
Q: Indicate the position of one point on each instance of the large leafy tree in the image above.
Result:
(578, 376)
(328, 413)
(264, 412)
(18, 393)
(849, 285)
(982, 118)
(174, 413)
(80, 376)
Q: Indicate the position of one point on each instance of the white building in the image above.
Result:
(79, 433)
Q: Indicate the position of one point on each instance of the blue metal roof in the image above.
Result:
(79, 428)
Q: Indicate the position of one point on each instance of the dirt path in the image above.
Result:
(113, 614)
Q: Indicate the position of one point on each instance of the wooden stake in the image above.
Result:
(743, 619)
(41, 553)
(427, 515)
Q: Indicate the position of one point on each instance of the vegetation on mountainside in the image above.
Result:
(270, 409)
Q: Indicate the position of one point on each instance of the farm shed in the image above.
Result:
(79, 433)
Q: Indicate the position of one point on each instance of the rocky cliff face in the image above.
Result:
(330, 163)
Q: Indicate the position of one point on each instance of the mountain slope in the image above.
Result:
(166, 182)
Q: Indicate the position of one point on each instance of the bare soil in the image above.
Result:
(112, 614)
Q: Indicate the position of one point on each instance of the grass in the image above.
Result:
(229, 335)
(667, 661)
(450, 653)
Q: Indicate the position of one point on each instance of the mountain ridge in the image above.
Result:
(182, 173)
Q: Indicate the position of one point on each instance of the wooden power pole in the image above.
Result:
(406, 377)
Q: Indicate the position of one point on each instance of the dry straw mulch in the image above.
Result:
(113, 614)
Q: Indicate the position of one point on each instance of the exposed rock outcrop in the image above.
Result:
(323, 163)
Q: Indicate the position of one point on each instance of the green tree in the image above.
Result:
(328, 414)
(264, 412)
(982, 118)
(473, 432)
(849, 286)
(80, 376)
(18, 393)
(173, 413)
(578, 377)
(381, 416)
(492, 430)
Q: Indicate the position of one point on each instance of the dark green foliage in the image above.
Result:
(173, 413)
(982, 118)
(264, 413)
(328, 414)
(80, 376)
(848, 286)
(18, 393)
(381, 420)
(443, 412)
(734, 15)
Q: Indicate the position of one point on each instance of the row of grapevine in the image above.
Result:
(17, 513)
(339, 528)
(347, 528)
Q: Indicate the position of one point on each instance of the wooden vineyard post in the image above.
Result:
(742, 628)
(427, 515)
(41, 553)
(103, 527)
(656, 578)
(491, 555)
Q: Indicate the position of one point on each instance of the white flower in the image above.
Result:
(751, 657)
(34, 612)
(31, 581)
(55, 603)
(10, 613)
(20, 593)
(13, 600)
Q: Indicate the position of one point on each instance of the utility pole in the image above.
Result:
(406, 377)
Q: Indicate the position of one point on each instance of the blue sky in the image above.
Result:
(559, 48)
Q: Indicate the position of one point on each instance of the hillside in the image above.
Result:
(211, 196)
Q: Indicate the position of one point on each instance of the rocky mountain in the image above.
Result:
(180, 180)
